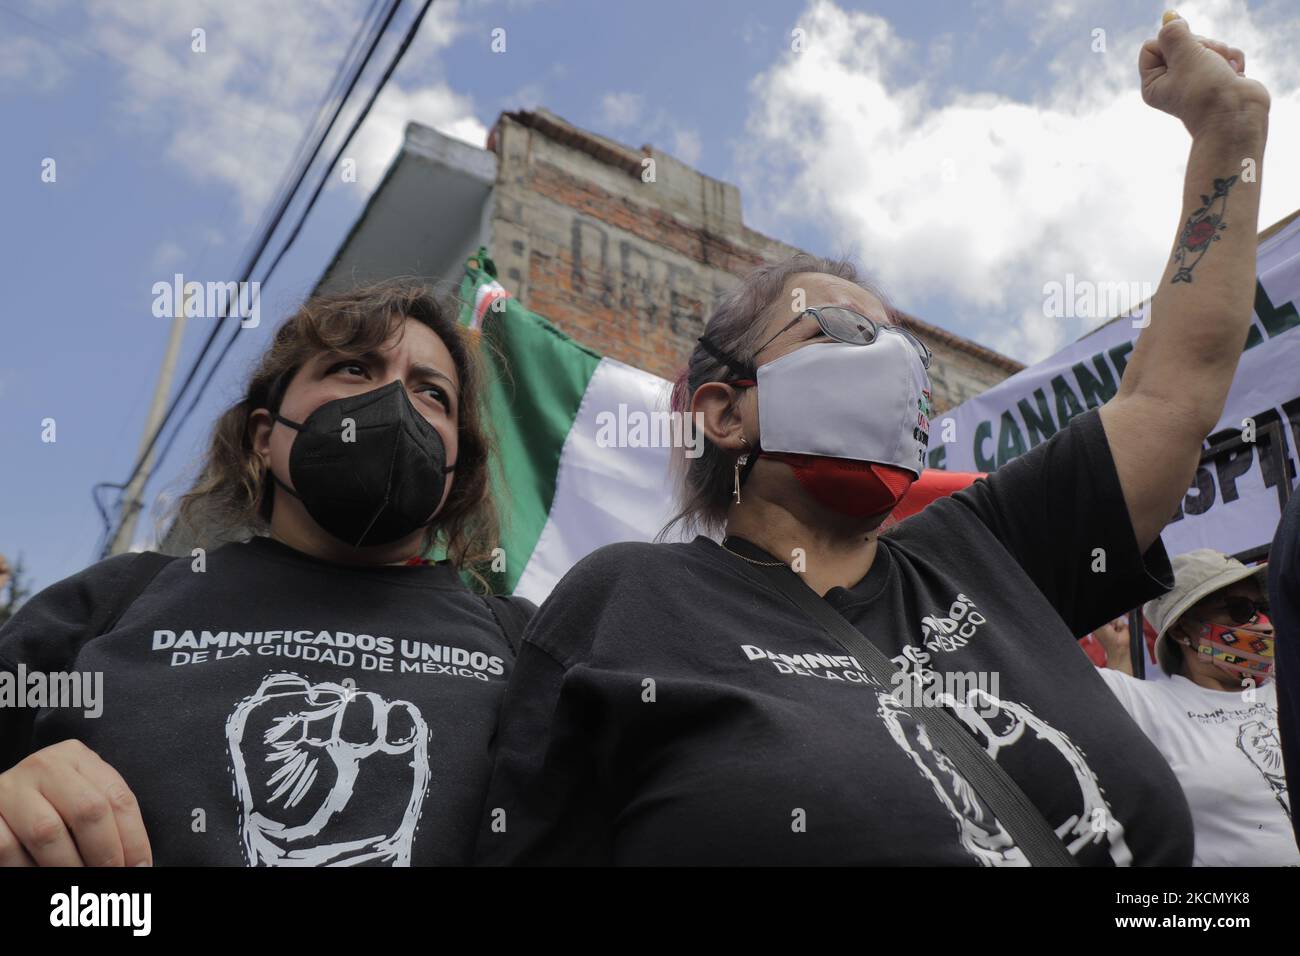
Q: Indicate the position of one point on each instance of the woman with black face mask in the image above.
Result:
(314, 691)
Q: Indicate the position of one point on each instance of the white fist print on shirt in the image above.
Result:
(327, 775)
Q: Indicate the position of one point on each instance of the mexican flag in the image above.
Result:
(564, 490)
(582, 442)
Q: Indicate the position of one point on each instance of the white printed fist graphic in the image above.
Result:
(302, 752)
(1262, 745)
(999, 724)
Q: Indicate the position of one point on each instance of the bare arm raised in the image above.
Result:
(1177, 380)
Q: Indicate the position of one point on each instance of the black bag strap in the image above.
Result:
(1027, 826)
(144, 567)
(512, 615)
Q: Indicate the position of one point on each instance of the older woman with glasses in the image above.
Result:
(809, 690)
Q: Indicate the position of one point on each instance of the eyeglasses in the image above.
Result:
(853, 328)
(1240, 610)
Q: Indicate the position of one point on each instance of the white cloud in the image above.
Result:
(527, 97)
(1085, 178)
(940, 54)
(167, 255)
(235, 114)
(533, 93)
(623, 114)
(378, 141)
(28, 61)
(621, 110)
(687, 146)
(753, 32)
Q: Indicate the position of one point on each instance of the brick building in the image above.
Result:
(627, 266)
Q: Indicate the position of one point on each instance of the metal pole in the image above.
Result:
(1136, 640)
(132, 503)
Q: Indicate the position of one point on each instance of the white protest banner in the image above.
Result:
(1233, 503)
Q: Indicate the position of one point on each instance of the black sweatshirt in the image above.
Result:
(275, 709)
(666, 709)
(1284, 599)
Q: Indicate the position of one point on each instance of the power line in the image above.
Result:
(317, 135)
(356, 125)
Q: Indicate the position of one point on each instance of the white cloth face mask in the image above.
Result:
(860, 402)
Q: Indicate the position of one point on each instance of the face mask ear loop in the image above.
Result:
(296, 426)
(433, 518)
(740, 368)
(276, 416)
(276, 478)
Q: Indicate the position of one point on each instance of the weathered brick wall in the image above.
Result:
(631, 268)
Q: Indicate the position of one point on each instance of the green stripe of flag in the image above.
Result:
(537, 376)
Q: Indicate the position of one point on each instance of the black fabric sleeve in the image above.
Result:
(46, 634)
(512, 614)
(545, 805)
(548, 797)
(1059, 511)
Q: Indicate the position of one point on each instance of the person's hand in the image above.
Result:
(1200, 81)
(1113, 638)
(64, 806)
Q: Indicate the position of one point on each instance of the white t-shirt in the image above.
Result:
(1226, 752)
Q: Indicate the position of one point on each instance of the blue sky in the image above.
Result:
(166, 159)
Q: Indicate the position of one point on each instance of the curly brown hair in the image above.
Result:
(232, 495)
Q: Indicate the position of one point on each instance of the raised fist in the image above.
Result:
(327, 775)
(1114, 640)
(1199, 80)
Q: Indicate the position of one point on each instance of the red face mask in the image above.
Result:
(857, 489)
